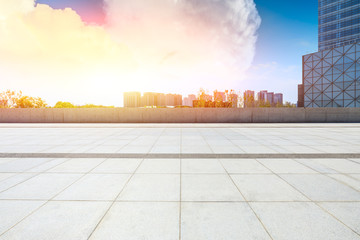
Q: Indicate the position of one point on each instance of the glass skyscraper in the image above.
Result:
(339, 23)
(331, 76)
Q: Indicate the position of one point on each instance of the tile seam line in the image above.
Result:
(246, 200)
(47, 200)
(314, 202)
(122, 190)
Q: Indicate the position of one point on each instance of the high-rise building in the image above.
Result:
(270, 98)
(339, 23)
(262, 96)
(132, 99)
(278, 99)
(149, 99)
(178, 100)
(249, 98)
(188, 101)
(331, 75)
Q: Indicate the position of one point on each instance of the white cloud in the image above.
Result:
(148, 45)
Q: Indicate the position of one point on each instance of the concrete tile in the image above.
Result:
(214, 221)
(199, 187)
(257, 149)
(355, 160)
(4, 176)
(5, 160)
(77, 165)
(266, 188)
(347, 180)
(95, 187)
(12, 212)
(152, 187)
(243, 166)
(103, 149)
(340, 165)
(201, 166)
(321, 188)
(348, 213)
(48, 165)
(195, 149)
(43, 186)
(285, 166)
(160, 166)
(140, 220)
(316, 166)
(166, 149)
(356, 176)
(118, 166)
(60, 220)
(21, 165)
(226, 149)
(135, 149)
(300, 221)
(15, 179)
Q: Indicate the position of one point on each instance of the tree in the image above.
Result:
(30, 102)
(12, 99)
(64, 105)
(289, 105)
(8, 99)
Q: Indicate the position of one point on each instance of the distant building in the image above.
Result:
(262, 96)
(270, 98)
(170, 99)
(149, 99)
(132, 99)
(278, 99)
(160, 100)
(178, 100)
(249, 98)
(300, 102)
(188, 101)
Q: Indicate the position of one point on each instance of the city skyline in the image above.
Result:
(99, 70)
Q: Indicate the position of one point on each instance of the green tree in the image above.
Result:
(64, 105)
(289, 105)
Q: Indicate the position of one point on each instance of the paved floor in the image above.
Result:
(215, 198)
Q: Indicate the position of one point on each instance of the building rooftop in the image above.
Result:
(180, 181)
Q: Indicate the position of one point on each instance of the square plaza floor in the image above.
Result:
(180, 181)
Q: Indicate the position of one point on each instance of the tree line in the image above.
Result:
(13, 99)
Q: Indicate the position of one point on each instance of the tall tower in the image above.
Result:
(339, 23)
(331, 76)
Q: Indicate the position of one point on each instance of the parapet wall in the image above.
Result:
(181, 115)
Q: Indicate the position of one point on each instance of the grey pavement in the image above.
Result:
(222, 197)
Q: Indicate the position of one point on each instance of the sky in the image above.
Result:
(90, 51)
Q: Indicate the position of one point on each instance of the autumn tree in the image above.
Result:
(30, 102)
(12, 99)
(8, 98)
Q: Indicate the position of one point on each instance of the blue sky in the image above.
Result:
(288, 31)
